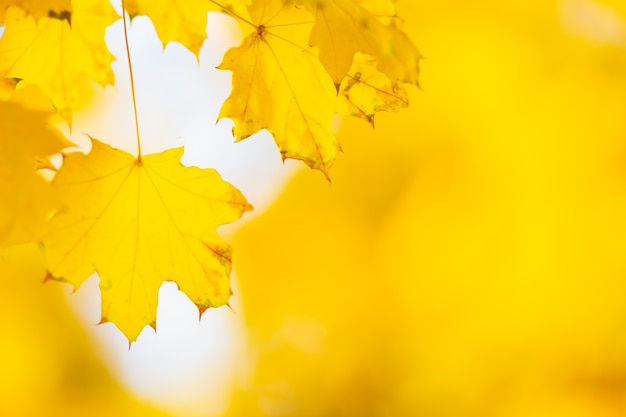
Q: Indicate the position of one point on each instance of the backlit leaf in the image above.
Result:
(139, 224)
(280, 85)
(365, 91)
(345, 27)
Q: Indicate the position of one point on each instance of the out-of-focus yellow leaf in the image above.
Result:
(365, 91)
(345, 27)
(61, 9)
(182, 21)
(269, 87)
(138, 224)
(48, 366)
(57, 56)
(27, 199)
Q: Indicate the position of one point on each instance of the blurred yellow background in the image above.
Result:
(468, 259)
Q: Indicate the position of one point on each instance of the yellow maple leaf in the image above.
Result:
(365, 91)
(268, 88)
(138, 223)
(182, 21)
(27, 199)
(38, 8)
(56, 56)
(345, 27)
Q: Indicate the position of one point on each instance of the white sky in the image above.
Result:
(186, 367)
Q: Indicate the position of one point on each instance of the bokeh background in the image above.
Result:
(468, 259)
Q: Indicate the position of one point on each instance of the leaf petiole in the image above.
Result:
(132, 83)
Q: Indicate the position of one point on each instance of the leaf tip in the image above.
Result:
(201, 310)
(48, 277)
(326, 172)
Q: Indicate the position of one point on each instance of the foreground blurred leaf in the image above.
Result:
(138, 224)
(48, 367)
(27, 199)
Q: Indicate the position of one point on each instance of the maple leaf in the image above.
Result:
(38, 8)
(27, 199)
(182, 21)
(365, 91)
(280, 85)
(56, 56)
(138, 223)
(345, 27)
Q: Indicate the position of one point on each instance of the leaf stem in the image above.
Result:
(132, 83)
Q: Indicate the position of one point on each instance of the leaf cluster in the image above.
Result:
(139, 220)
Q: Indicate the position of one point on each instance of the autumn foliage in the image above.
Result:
(133, 219)
(468, 258)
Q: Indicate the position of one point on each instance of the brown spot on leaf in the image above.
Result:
(63, 15)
